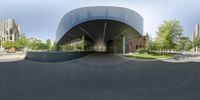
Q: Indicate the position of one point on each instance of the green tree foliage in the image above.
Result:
(168, 34)
(67, 47)
(8, 44)
(22, 42)
(196, 42)
(42, 46)
(48, 44)
(39, 45)
(53, 46)
(184, 44)
(35, 45)
(150, 45)
(79, 45)
(142, 50)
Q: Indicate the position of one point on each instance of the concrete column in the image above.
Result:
(124, 45)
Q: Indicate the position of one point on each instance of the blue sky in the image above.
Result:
(40, 18)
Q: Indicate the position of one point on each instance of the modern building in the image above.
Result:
(105, 28)
(9, 31)
(195, 34)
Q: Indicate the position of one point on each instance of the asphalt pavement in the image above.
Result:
(99, 77)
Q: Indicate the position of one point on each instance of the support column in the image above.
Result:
(124, 45)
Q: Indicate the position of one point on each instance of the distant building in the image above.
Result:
(9, 31)
(196, 34)
(33, 39)
(137, 43)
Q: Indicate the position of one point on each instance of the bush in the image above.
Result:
(142, 50)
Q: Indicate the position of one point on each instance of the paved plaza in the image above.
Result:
(10, 57)
(99, 77)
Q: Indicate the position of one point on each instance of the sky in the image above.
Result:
(40, 18)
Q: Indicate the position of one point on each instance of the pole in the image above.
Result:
(124, 47)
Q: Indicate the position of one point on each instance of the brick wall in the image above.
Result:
(137, 43)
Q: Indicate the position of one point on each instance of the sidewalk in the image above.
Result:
(183, 57)
(8, 57)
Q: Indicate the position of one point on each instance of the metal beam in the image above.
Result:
(104, 31)
(122, 33)
(82, 29)
(71, 35)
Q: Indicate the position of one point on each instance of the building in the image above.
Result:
(33, 39)
(106, 28)
(137, 43)
(9, 31)
(196, 34)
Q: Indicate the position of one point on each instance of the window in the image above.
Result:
(10, 37)
(136, 46)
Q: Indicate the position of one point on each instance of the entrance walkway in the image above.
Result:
(9, 57)
(102, 59)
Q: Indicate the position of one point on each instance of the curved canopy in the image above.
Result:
(83, 20)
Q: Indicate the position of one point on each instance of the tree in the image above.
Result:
(150, 45)
(80, 45)
(35, 45)
(54, 46)
(184, 44)
(42, 46)
(39, 45)
(22, 42)
(188, 46)
(48, 44)
(66, 47)
(196, 43)
(168, 34)
(8, 44)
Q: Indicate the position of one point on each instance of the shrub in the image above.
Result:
(142, 50)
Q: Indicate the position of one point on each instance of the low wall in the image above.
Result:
(55, 56)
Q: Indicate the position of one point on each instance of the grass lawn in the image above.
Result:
(148, 56)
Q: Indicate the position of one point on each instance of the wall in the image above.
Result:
(137, 43)
(55, 56)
